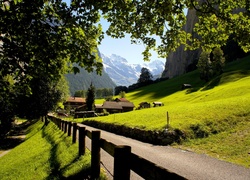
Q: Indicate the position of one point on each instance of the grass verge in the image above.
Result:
(47, 153)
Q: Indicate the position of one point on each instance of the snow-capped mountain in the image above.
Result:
(125, 74)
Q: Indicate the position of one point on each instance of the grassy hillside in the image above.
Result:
(47, 153)
(215, 116)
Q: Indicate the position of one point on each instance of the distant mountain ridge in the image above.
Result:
(124, 74)
(82, 81)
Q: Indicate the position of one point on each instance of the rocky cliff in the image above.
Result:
(180, 61)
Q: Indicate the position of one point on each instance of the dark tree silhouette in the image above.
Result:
(90, 99)
(145, 76)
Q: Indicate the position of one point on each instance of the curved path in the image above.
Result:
(185, 163)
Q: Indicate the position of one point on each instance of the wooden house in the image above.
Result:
(74, 102)
(155, 104)
(144, 105)
(126, 106)
(115, 106)
(112, 107)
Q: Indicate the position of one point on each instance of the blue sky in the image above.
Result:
(123, 48)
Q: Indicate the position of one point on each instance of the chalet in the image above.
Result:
(158, 104)
(126, 106)
(186, 86)
(74, 102)
(81, 108)
(112, 107)
(116, 106)
(144, 105)
(98, 108)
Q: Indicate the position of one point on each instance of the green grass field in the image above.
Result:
(215, 116)
(47, 153)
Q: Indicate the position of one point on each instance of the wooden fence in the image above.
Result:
(124, 159)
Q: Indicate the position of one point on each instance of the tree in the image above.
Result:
(119, 89)
(42, 38)
(204, 66)
(218, 20)
(7, 102)
(145, 76)
(122, 94)
(80, 93)
(218, 61)
(211, 64)
(90, 99)
(44, 97)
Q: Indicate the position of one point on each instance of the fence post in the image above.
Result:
(69, 128)
(121, 163)
(62, 125)
(59, 122)
(74, 132)
(65, 126)
(81, 139)
(95, 154)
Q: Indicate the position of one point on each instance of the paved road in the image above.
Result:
(187, 164)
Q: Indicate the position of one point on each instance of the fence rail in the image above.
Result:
(124, 159)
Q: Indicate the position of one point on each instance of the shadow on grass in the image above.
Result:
(56, 171)
(226, 77)
(233, 72)
(170, 86)
(16, 136)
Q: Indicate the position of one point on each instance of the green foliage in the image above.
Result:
(122, 94)
(204, 66)
(43, 39)
(104, 92)
(145, 76)
(44, 98)
(109, 98)
(119, 89)
(218, 21)
(211, 64)
(80, 93)
(218, 61)
(7, 104)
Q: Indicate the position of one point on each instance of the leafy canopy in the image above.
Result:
(218, 21)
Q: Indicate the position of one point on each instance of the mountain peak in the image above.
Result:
(125, 74)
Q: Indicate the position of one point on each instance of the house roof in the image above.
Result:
(157, 102)
(82, 106)
(76, 99)
(98, 106)
(111, 105)
(127, 104)
(143, 103)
